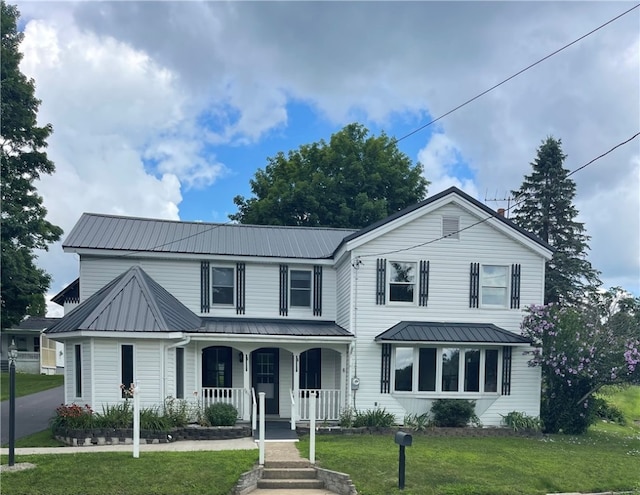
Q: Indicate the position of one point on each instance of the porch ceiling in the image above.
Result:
(437, 332)
(293, 328)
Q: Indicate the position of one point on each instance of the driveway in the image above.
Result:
(33, 413)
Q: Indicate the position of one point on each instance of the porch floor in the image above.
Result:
(277, 431)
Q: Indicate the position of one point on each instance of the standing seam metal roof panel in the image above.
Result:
(427, 331)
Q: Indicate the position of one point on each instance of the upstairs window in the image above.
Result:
(402, 281)
(300, 295)
(222, 285)
(494, 286)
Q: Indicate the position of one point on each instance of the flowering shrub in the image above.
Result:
(578, 353)
(73, 417)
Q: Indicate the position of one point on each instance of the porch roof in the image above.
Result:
(438, 332)
(265, 326)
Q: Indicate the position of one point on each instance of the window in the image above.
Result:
(300, 288)
(445, 370)
(36, 344)
(126, 368)
(404, 369)
(222, 285)
(179, 372)
(402, 278)
(216, 367)
(310, 368)
(77, 363)
(494, 285)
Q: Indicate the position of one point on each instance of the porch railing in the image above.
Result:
(233, 396)
(28, 356)
(327, 404)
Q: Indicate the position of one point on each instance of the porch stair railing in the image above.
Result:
(233, 396)
(254, 410)
(327, 404)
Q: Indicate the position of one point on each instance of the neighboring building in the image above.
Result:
(36, 352)
(425, 304)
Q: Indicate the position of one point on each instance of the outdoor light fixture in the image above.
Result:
(13, 356)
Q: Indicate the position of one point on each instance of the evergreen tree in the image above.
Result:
(23, 224)
(352, 181)
(545, 208)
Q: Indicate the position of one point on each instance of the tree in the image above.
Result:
(351, 182)
(545, 208)
(24, 227)
(579, 352)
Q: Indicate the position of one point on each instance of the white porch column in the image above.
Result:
(246, 375)
(344, 378)
(296, 385)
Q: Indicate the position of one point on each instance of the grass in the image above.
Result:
(118, 473)
(41, 439)
(594, 462)
(627, 399)
(27, 384)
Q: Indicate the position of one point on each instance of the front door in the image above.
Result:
(264, 364)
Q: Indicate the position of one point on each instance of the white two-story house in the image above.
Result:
(422, 305)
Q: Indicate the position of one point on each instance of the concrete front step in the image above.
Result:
(293, 464)
(289, 474)
(289, 484)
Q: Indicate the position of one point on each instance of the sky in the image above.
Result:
(167, 109)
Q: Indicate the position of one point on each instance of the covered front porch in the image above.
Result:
(288, 374)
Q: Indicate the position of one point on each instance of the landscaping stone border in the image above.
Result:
(113, 436)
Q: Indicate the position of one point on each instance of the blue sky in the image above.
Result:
(167, 109)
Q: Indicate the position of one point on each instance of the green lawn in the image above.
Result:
(40, 439)
(595, 462)
(118, 473)
(28, 384)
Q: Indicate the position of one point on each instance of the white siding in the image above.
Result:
(285, 382)
(182, 279)
(343, 292)
(70, 372)
(448, 298)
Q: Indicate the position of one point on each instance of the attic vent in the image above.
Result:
(451, 227)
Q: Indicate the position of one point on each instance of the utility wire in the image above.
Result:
(415, 131)
(582, 167)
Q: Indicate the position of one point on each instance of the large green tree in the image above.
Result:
(352, 181)
(24, 227)
(545, 207)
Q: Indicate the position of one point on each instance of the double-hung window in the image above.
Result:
(494, 286)
(222, 285)
(300, 288)
(402, 281)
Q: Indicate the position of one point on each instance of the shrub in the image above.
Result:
(346, 417)
(116, 416)
(221, 414)
(152, 419)
(73, 417)
(453, 412)
(609, 412)
(418, 422)
(374, 418)
(176, 411)
(521, 421)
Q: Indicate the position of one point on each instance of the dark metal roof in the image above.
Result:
(71, 293)
(95, 231)
(431, 331)
(289, 328)
(132, 302)
(440, 195)
(36, 323)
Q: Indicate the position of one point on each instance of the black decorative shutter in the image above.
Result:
(205, 276)
(385, 369)
(515, 286)
(506, 370)
(284, 290)
(381, 280)
(240, 290)
(474, 285)
(317, 290)
(423, 295)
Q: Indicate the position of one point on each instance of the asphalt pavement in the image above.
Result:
(33, 413)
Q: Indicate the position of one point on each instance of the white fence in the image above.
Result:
(327, 404)
(233, 396)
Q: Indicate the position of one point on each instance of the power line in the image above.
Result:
(395, 141)
(506, 209)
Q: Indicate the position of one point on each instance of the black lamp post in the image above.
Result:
(13, 355)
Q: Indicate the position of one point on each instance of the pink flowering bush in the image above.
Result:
(578, 353)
